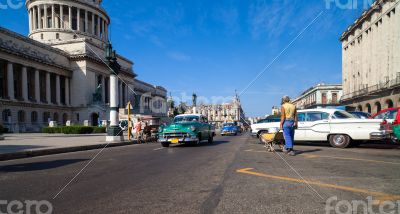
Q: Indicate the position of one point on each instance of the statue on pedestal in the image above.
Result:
(97, 96)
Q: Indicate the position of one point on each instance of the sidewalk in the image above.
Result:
(16, 146)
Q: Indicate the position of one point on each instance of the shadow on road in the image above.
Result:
(307, 151)
(39, 165)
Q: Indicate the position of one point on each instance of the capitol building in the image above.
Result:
(58, 73)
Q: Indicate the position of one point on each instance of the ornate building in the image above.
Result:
(371, 58)
(221, 113)
(319, 96)
(58, 73)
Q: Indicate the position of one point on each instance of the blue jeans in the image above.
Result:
(288, 133)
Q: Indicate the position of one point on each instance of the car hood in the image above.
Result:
(180, 126)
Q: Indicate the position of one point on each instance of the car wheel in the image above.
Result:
(339, 141)
(165, 144)
(211, 139)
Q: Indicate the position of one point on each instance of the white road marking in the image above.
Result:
(158, 148)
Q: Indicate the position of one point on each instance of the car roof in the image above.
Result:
(326, 110)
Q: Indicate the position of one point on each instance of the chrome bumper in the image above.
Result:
(181, 140)
(379, 135)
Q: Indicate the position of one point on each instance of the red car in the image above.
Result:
(390, 117)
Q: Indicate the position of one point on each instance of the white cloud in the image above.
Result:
(178, 56)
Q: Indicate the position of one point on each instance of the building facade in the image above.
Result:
(320, 96)
(58, 73)
(371, 58)
(221, 113)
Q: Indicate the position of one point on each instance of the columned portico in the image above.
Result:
(48, 95)
(67, 91)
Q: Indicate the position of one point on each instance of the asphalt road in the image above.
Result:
(233, 175)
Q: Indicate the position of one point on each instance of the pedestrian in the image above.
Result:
(138, 128)
(288, 124)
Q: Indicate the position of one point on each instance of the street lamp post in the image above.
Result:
(114, 132)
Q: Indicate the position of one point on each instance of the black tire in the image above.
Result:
(165, 144)
(339, 141)
(211, 139)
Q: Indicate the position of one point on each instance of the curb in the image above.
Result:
(43, 152)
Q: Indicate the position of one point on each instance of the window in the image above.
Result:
(21, 116)
(57, 36)
(46, 117)
(301, 117)
(342, 115)
(34, 117)
(315, 116)
(7, 116)
(387, 115)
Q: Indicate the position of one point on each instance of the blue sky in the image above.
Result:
(216, 47)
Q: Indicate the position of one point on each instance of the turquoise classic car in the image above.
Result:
(186, 129)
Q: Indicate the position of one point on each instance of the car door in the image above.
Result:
(300, 133)
(317, 126)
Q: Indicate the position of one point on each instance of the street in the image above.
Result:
(233, 175)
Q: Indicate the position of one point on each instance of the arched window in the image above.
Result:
(64, 118)
(368, 106)
(34, 117)
(21, 116)
(378, 107)
(6, 116)
(389, 103)
(55, 116)
(46, 117)
(359, 108)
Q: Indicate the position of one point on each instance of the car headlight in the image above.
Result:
(192, 128)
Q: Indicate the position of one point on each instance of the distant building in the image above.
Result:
(319, 96)
(221, 113)
(276, 110)
(371, 58)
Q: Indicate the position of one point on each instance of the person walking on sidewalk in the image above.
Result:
(138, 129)
(288, 124)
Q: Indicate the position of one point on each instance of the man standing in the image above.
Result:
(288, 124)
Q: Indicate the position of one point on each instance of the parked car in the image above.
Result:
(186, 129)
(336, 126)
(360, 114)
(390, 118)
(230, 129)
(263, 125)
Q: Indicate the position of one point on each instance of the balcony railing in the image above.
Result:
(375, 88)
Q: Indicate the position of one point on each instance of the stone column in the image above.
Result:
(40, 17)
(121, 104)
(37, 86)
(70, 17)
(114, 132)
(30, 20)
(24, 83)
(10, 80)
(93, 25)
(61, 16)
(86, 21)
(98, 26)
(34, 18)
(48, 94)
(53, 17)
(45, 16)
(67, 91)
(78, 19)
(103, 91)
(58, 94)
(106, 30)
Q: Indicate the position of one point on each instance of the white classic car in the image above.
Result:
(336, 126)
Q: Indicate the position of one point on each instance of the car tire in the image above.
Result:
(165, 144)
(211, 139)
(339, 141)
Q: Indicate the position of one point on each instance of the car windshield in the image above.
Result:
(189, 118)
(342, 115)
(229, 124)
